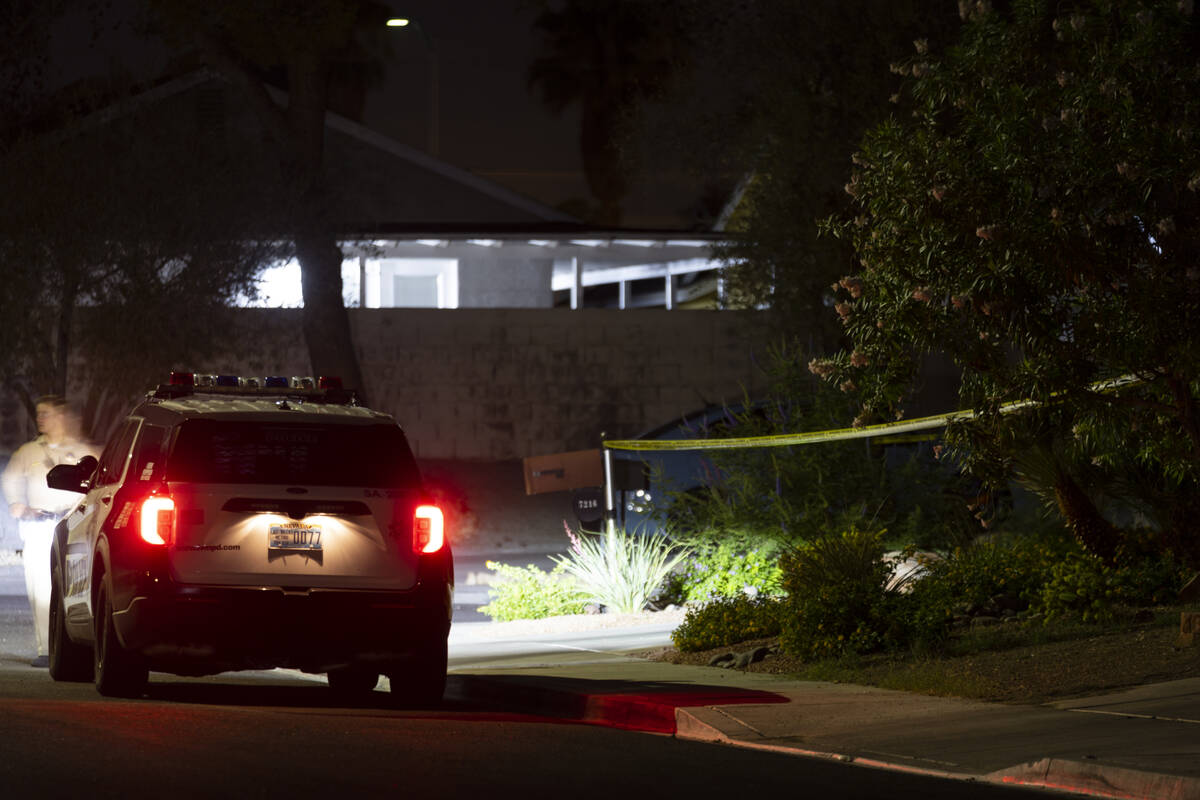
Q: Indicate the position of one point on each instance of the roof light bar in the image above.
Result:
(324, 389)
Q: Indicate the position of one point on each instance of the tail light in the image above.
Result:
(158, 519)
(429, 529)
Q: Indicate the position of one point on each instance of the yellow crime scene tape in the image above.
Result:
(889, 429)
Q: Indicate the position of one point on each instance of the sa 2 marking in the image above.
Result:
(389, 493)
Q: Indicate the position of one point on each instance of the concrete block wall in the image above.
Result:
(502, 384)
(497, 384)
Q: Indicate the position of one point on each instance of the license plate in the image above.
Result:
(294, 536)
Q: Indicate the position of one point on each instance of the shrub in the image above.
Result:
(838, 601)
(727, 620)
(726, 570)
(620, 570)
(532, 593)
(970, 576)
(1083, 583)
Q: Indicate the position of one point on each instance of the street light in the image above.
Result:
(405, 22)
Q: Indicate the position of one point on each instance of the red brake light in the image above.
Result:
(183, 378)
(158, 519)
(429, 529)
(329, 382)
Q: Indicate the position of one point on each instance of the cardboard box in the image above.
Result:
(562, 472)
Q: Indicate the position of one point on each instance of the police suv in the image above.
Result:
(248, 523)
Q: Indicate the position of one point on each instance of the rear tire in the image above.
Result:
(69, 661)
(118, 672)
(352, 681)
(420, 682)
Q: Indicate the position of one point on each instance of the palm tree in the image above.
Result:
(605, 55)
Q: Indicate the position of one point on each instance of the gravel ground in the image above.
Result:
(1026, 674)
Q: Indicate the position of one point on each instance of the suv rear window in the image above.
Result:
(213, 451)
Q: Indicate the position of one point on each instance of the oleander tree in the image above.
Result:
(1032, 211)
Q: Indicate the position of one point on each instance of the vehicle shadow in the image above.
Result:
(636, 705)
(285, 692)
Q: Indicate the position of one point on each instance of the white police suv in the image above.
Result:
(241, 523)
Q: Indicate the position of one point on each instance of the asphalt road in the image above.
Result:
(275, 734)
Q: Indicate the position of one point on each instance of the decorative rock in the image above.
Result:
(749, 657)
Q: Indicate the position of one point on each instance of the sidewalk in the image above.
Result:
(1141, 743)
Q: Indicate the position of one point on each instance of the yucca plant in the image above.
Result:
(618, 569)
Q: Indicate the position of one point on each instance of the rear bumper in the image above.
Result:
(198, 630)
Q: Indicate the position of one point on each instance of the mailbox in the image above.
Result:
(562, 472)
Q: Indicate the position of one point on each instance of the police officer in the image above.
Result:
(37, 507)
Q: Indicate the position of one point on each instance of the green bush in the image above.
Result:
(620, 570)
(726, 570)
(532, 593)
(970, 576)
(1083, 583)
(727, 620)
(838, 601)
(1052, 573)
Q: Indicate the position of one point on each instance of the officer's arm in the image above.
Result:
(12, 481)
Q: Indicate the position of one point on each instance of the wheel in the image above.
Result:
(420, 681)
(69, 661)
(352, 681)
(118, 672)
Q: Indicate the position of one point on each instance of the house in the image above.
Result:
(491, 326)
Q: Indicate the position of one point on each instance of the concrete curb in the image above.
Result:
(691, 727)
(610, 710)
(709, 723)
(1099, 780)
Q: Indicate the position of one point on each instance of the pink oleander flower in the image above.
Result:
(843, 310)
(820, 367)
(848, 386)
(859, 359)
(922, 294)
(576, 548)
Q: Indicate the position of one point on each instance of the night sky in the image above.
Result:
(489, 122)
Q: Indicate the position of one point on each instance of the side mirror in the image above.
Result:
(72, 477)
